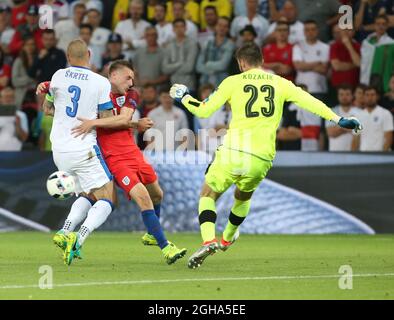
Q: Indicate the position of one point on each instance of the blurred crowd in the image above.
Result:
(344, 58)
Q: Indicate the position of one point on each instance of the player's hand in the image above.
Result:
(144, 124)
(350, 123)
(178, 91)
(43, 87)
(83, 129)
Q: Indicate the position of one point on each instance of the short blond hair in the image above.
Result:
(77, 49)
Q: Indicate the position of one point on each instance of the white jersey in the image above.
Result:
(77, 92)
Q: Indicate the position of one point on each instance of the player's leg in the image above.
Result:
(156, 195)
(255, 172)
(79, 208)
(238, 213)
(218, 179)
(141, 196)
(95, 180)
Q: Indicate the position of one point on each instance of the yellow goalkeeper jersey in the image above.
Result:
(256, 98)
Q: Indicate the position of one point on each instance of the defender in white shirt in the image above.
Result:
(75, 93)
(378, 125)
(340, 139)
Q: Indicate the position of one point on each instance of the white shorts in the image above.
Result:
(88, 168)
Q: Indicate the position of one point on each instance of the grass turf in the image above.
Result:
(112, 257)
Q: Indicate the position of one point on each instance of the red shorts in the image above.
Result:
(130, 169)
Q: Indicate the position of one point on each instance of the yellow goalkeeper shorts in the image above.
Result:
(231, 166)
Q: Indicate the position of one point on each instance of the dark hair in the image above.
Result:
(178, 2)
(119, 64)
(23, 54)
(382, 16)
(211, 8)
(79, 5)
(205, 86)
(250, 53)
(370, 88)
(361, 86)
(161, 4)
(146, 86)
(346, 87)
(310, 21)
(49, 31)
(179, 20)
(86, 26)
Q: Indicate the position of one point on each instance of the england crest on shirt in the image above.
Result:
(120, 101)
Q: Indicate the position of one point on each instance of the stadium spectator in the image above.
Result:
(340, 139)
(148, 61)
(27, 30)
(6, 30)
(366, 13)
(387, 100)
(180, 57)
(270, 9)
(168, 120)
(68, 29)
(132, 30)
(324, 12)
(213, 61)
(114, 51)
(311, 59)
(211, 19)
(190, 11)
(278, 56)
(288, 13)
(310, 127)
(223, 8)
(377, 134)
(377, 55)
(19, 11)
(345, 60)
(21, 81)
(179, 12)
(100, 35)
(164, 29)
(289, 134)
(204, 91)
(358, 101)
(85, 33)
(149, 100)
(260, 23)
(5, 71)
(60, 9)
(49, 59)
(14, 127)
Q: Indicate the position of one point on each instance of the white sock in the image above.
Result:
(96, 217)
(78, 213)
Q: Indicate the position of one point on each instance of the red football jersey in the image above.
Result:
(115, 141)
(272, 53)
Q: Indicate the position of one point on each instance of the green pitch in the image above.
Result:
(118, 266)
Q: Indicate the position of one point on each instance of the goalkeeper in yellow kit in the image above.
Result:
(256, 98)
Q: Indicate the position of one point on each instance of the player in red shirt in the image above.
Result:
(125, 160)
(345, 60)
(278, 57)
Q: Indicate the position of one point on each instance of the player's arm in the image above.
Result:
(202, 109)
(306, 101)
(48, 106)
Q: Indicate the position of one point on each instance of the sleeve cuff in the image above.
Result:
(49, 98)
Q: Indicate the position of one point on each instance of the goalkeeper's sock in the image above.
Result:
(96, 217)
(157, 207)
(207, 218)
(238, 213)
(78, 213)
(154, 228)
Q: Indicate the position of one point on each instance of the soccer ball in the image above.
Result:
(61, 185)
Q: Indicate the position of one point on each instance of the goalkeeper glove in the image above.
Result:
(350, 123)
(178, 91)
